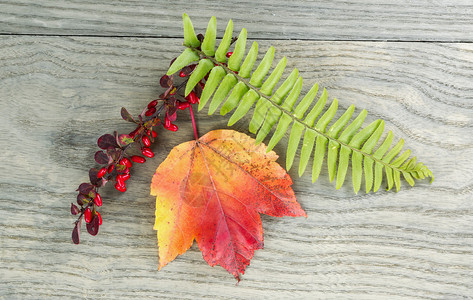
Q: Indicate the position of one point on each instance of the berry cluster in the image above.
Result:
(119, 151)
(116, 158)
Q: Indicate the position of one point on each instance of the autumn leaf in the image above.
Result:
(213, 190)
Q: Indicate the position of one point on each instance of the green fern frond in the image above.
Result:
(343, 143)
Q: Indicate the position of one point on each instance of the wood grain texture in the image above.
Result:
(268, 19)
(58, 94)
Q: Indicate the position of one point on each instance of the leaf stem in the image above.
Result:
(194, 126)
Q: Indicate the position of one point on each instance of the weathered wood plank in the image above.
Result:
(59, 94)
(268, 19)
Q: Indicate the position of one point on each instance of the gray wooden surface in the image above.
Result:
(67, 67)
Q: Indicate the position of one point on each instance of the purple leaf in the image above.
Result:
(76, 232)
(74, 209)
(126, 115)
(92, 194)
(187, 70)
(200, 37)
(165, 81)
(101, 157)
(93, 226)
(171, 108)
(85, 188)
(114, 153)
(115, 136)
(93, 176)
(125, 139)
(80, 199)
(107, 141)
(172, 114)
(198, 91)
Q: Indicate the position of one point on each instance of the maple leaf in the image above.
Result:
(212, 190)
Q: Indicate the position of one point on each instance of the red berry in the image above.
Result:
(172, 127)
(120, 185)
(229, 54)
(147, 152)
(182, 74)
(125, 176)
(125, 161)
(167, 122)
(120, 180)
(98, 200)
(100, 217)
(102, 173)
(192, 97)
(154, 134)
(152, 104)
(121, 188)
(110, 168)
(146, 141)
(138, 159)
(150, 111)
(182, 105)
(87, 215)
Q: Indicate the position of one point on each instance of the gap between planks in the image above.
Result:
(259, 39)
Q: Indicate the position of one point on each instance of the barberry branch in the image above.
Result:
(118, 151)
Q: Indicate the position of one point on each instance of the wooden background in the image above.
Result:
(67, 67)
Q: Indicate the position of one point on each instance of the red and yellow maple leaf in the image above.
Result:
(212, 190)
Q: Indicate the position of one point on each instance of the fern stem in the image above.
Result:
(285, 111)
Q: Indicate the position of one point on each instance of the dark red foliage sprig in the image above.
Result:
(120, 151)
